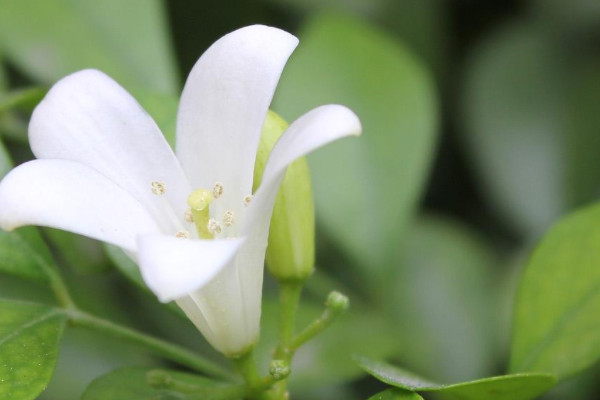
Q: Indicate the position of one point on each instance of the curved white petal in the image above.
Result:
(227, 309)
(67, 195)
(87, 117)
(223, 107)
(314, 129)
(173, 267)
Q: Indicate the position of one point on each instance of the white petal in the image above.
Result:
(223, 107)
(227, 309)
(87, 117)
(312, 130)
(70, 196)
(173, 267)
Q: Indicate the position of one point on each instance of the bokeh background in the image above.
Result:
(481, 128)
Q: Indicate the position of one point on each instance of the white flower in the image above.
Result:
(105, 171)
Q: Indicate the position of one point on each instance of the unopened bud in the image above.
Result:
(158, 378)
(291, 251)
(337, 302)
(279, 369)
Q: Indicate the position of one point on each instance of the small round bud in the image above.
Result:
(159, 378)
(337, 302)
(279, 369)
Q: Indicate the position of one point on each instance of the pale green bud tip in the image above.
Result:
(199, 199)
(279, 369)
(337, 302)
(159, 378)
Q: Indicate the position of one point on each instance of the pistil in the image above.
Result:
(199, 201)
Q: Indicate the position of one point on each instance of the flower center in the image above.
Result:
(208, 225)
(199, 201)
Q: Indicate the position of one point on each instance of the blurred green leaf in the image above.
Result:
(3, 79)
(127, 267)
(29, 336)
(102, 354)
(365, 189)
(23, 252)
(582, 140)
(22, 98)
(513, 120)
(574, 16)
(556, 325)
(326, 359)
(5, 161)
(530, 128)
(446, 300)
(358, 7)
(126, 39)
(163, 109)
(396, 394)
(18, 256)
(84, 255)
(131, 383)
(125, 264)
(505, 387)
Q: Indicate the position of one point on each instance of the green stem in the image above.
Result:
(335, 306)
(246, 366)
(57, 284)
(289, 297)
(160, 347)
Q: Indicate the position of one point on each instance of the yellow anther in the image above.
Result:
(248, 199)
(213, 226)
(189, 217)
(158, 188)
(228, 218)
(182, 235)
(217, 190)
(199, 201)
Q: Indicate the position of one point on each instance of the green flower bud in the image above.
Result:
(291, 251)
(337, 302)
(279, 369)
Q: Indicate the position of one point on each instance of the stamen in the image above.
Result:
(199, 202)
(213, 226)
(158, 188)
(248, 199)
(182, 235)
(189, 216)
(228, 218)
(217, 190)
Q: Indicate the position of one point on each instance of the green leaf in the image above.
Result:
(23, 252)
(163, 109)
(84, 255)
(22, 98)
(568, 18)
(131, 271)
(3, 79)
(530, 126)
(19, 257)
(132, 383)
(29, 337)
(342, 60)
(556, 324)
(125, 264)
(512, 108)
(507, 387)
(5, 161)
(126, 39)
(396, 394)
(446, 300)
